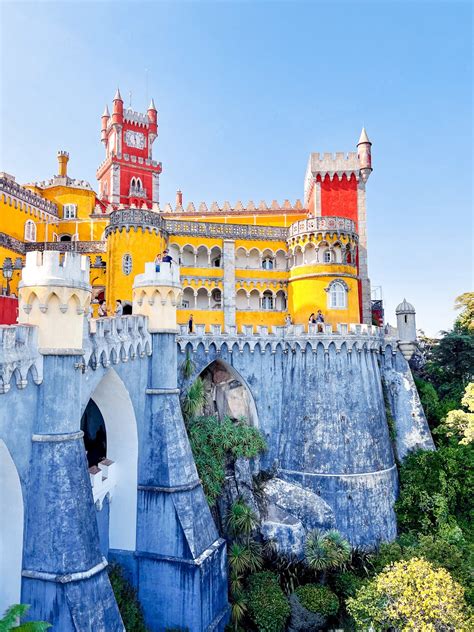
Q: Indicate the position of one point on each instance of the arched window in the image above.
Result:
(126, 264)
(139, 184)
(267, 300)
(267, 263)
(337, 296)
(30, 230)
(328, 256)
(133, 183)
(65, 238)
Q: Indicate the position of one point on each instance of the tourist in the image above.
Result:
(118, 307)
(288, 320)
(320, 320)
(102, 311)
(190, 324)
(312, 318)
(157, 262)
(167, 258)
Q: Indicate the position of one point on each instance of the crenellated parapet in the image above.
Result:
(55, 294)
(19, 356)
(156, 294)
(114, 340)
(289, 339)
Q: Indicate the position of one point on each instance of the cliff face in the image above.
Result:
(323, 413)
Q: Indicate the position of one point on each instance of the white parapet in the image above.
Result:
(54, 294)
(156, 293)
(103, 480)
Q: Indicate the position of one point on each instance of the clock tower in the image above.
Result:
(129, 175)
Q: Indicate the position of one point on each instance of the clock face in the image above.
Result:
(135, 139)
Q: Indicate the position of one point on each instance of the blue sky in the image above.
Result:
(245, 91)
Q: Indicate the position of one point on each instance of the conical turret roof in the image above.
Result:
(363, 137)
(152, 105)
(118, 96)
(106, 111)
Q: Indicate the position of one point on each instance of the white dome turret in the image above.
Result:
(405, 308)
(406, 325)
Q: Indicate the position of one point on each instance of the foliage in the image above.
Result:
(194, 400)
(461, 422)
(127, 601)
(410, 595)
(244, 558)
(241, 520)
(12, 616)
(188, 366)
(436, 491)
(239, 607)
(290, 570)
(317, 598)
(211, 440)
(326, 550)
(268, 607)
(346, 583)
(465, 320)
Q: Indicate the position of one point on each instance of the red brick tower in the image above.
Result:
(129, 175)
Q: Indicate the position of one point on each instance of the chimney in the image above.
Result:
(179, 198)
(63, 158)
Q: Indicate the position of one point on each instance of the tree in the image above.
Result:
(461, 422)
(465, 320)
(14, 614)
(410, 595)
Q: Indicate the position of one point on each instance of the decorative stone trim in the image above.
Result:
(162, 391)
(19, 355)
(56, 438)
(169, 490)
(68, 246)
(10, 187)
(11, 243)
(69, 577)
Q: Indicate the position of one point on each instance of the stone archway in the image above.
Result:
(227, 393)
(112, 400)
(11, 531)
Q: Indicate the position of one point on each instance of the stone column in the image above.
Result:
(228, 295)
(64, 576)
(182, 578)
(363, 265)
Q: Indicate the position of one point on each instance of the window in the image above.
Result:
(65, 238)
(69, 211)
(267, 300)
(127, 264)
(328, 257)
(30, 230)
(337, 298)
(267, 263)
(216, 263)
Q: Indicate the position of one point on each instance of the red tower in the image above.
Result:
(129, 175)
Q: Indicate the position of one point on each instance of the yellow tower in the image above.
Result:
(323, 270)
(134, 237)
(63, 159)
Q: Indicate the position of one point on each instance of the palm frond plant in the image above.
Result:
(11, 618)
(194, 400)
(244, 558)
(239, 608)
(188, 366)
(326, 550)
(241, 519)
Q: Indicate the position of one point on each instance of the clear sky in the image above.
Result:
(246, 90)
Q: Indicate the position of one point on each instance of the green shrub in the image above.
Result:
(346, 584)
(268, 607)
(126, 597)
(319, 599)
(211, 440)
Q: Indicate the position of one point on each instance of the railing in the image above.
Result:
(137, 192)
(283, 331)
(9, 187)
(68, 246)
(315, 224)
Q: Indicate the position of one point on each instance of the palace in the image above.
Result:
(240, 265)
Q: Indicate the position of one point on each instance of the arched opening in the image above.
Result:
(202, 257)
(110, 431)
(11, 530)
(202, 298)
(227, 394)
(187, 298)
(65, 238)
(187, 256)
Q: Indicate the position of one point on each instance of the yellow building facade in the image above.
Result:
(240, 266)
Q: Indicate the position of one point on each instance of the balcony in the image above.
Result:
(138, 192)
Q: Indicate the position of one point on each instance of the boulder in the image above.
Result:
(286, 532)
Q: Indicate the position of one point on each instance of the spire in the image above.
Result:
(363, 137)
(152, 105)
(106, 111)
(118, 96)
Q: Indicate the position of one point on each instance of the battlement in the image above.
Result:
(113, 340)
(353, 337)
(168, 275)
(10, 188)
(136, 117)
(332, 165)
(19, 356)
(315, 224)
(52, 268)
(238, 208)
(62, 181)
